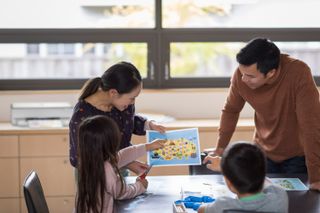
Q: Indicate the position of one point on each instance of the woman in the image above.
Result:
(112, 95)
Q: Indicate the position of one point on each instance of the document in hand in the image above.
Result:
(182, 147)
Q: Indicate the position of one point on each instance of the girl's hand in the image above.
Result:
(156, 144)
(213, 163)
(137, 167)
(143, 181)
(156, 127)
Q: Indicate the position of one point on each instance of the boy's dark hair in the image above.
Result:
(261, 51)
(244, 165)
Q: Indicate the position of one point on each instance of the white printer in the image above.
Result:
(42, 114)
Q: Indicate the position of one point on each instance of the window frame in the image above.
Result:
(224, 35)
(74, 36)
(158, 40)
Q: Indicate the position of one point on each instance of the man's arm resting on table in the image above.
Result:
(214, 151)
(315, 186)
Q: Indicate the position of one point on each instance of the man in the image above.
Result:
(285, 98)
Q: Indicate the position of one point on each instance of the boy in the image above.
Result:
(243, 166)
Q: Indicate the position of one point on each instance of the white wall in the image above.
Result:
(181, 104)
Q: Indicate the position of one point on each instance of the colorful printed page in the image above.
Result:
(182, 147)
(289, 184)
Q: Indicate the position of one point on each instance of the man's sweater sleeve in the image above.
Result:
(308, 115)
(230, 112)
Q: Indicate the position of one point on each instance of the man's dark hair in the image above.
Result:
(244, 165)
(261, 51)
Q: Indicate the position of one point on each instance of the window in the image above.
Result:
(240, 13)
(69, 61)
(174, 44)
(203, 59)
(32, 49)
(217, 59)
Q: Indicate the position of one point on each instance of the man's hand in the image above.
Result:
(315, 186)
(156, 127)
(214, 151)
(213, 163)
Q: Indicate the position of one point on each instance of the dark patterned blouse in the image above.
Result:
(127, 121)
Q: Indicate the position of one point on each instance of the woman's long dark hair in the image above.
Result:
(123, 77)
(99, 138)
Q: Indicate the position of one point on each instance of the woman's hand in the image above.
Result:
(213, 163)
(156, 127)
(143, 181)
(137, 167)
(156, 144)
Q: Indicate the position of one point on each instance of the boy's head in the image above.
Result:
(244, 166)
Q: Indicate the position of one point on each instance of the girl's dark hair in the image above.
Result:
(261, 51)
(99, 139)
(244, 165)
(123, 77)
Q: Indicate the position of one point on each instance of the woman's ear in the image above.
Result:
(113, 93)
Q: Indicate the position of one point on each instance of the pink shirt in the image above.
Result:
(126, 156)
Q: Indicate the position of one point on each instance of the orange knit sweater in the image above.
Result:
(287, 114)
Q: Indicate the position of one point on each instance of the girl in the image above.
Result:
(100, 182)
(112, 95)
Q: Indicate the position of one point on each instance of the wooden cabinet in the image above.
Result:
(8, 146)
(9, 178)
(48, 155)
(9, 205)
(55, 174)
(55, 204)
(9, 183)
(44, 145)
(47, 152)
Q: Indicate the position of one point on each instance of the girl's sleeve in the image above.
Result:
(130, 190)
(114, 186)
(129, 154)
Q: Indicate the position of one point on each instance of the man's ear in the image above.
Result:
(271, 73)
